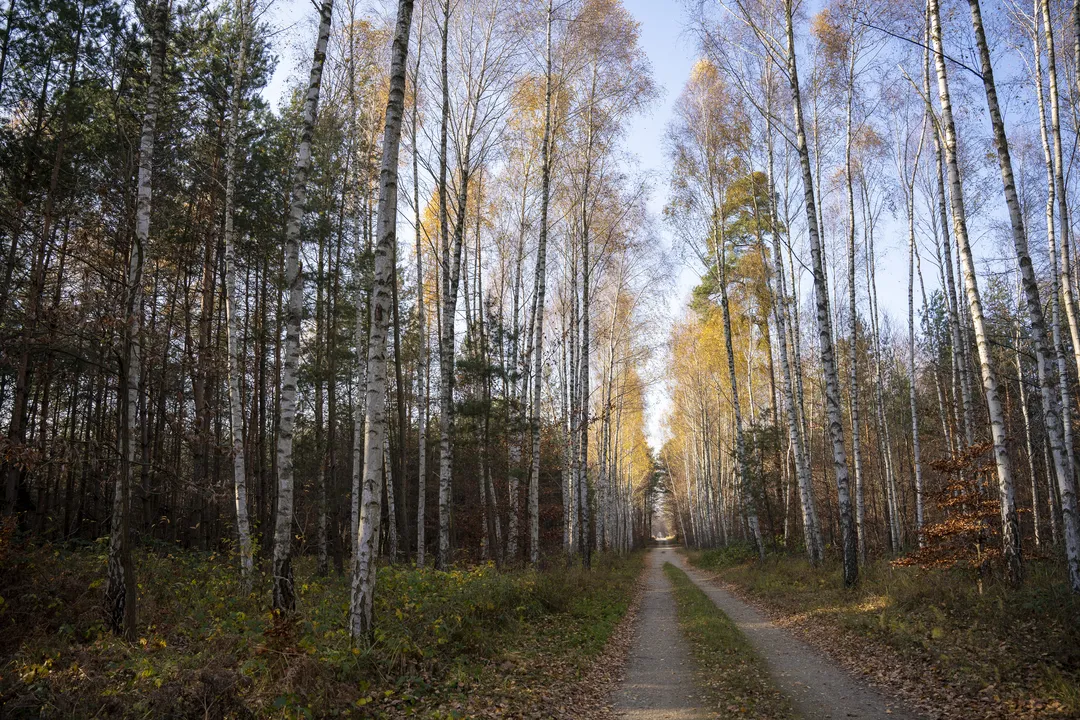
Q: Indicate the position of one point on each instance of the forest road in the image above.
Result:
(659, 683)
(819, 689)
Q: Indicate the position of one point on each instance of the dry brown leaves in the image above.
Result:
(590, 698)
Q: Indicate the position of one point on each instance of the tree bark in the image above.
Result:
(1009, 516)
(1010, 529)
(361, 623)
(284, 595)
(120, 588)
(824, 322)
(236, 422)
(538, 320)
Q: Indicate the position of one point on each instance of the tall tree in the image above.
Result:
(363, 579)
(120, 588)
(540, 284)
(236, 423)
(284, 594)
(1010, 523)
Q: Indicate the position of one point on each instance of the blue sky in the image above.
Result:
(672, 53)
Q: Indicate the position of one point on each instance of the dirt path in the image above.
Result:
(819, 689)
(659, 681)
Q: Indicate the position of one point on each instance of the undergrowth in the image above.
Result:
(734, 675)
(465, 643)
(1017, 645)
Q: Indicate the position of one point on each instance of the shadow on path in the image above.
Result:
(819, 689)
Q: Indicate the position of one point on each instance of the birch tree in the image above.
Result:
(363, 579)
(120, 588)
(244, 11)
(284, 594)
(1010, 523)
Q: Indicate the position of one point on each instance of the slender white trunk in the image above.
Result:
(361, 622)
(516, 390)
(1028, 444)
(120, 588)
(804, 480)
(236, 423)
(912, 397)
(1010, 529)
(284, 596)
(853, 314)
(446, 318)
(422, 369)
(824, 322)
(1064, 393)
(1066, 483)
(541, 280)
(1035, 317)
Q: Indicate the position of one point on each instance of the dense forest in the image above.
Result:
(807, 415)
(411, 323)
(191, 280)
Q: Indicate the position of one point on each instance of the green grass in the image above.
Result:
(448, 644)
(736, 678)
(1020, 645)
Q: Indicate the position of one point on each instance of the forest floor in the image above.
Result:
(927, 638)
(471, 643)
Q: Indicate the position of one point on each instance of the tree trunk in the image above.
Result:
(824, 322)
(236, 422)
(1030, 286)
(853, 319)
(1055, 286)
(284, 596)
(811, 528)
(538, 319)
(421, 321)
(1010, 529)
(120, 589)
(363, 580)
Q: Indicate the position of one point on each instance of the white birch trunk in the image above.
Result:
(1010, 529)
(284, 596)
(853, 319)
(1066, 482)
(804, 480)
(361, 623)
(824, 322)
(541, 280)
(1035, 317)
(422, 366)
(120, 588)
(236, 423)
(1055, 287)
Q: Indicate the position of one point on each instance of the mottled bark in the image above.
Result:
(1010, 529)
(538, 319)
(361, 623)
(236, 422)
(284, 594)
(120, 587)
(824, 321)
